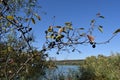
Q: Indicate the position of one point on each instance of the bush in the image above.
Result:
(101, 68)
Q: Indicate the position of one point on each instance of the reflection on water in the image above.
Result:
(67, 68)
(60, 71)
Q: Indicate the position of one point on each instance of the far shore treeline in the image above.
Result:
(69, 62)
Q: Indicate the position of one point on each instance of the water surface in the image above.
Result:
(60, 71)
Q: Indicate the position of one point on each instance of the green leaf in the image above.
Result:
(33, 20)
(32, 4)
(68, 23)
(8, 23)
(92, 22)
(38, 17)
(81, 28)
(100, 28)
(69, 27)
(26, 19)
(101, 16)
(83, 34)
(57, 26)
(117, 31)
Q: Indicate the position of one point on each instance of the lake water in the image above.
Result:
(60, 71)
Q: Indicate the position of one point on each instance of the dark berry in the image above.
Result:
(93, 46)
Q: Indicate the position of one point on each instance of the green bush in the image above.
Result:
(101, 68)
(94, 68)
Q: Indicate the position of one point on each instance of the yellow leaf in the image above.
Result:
(9, 48)
(33, 20)
(59, 37)
(48, 37)
(1, 17)
(50, 29)
(10, 17)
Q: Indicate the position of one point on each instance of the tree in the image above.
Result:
(18, 59)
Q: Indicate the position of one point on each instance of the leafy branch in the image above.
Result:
(64, 37)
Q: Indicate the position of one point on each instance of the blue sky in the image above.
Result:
(80, 13)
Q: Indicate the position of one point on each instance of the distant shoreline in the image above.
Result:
(69, 62)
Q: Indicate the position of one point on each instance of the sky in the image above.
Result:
(80, 13)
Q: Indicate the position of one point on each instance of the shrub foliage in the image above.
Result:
(101, 68)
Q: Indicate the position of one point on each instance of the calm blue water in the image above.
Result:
(67, 68)
(61, 70)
